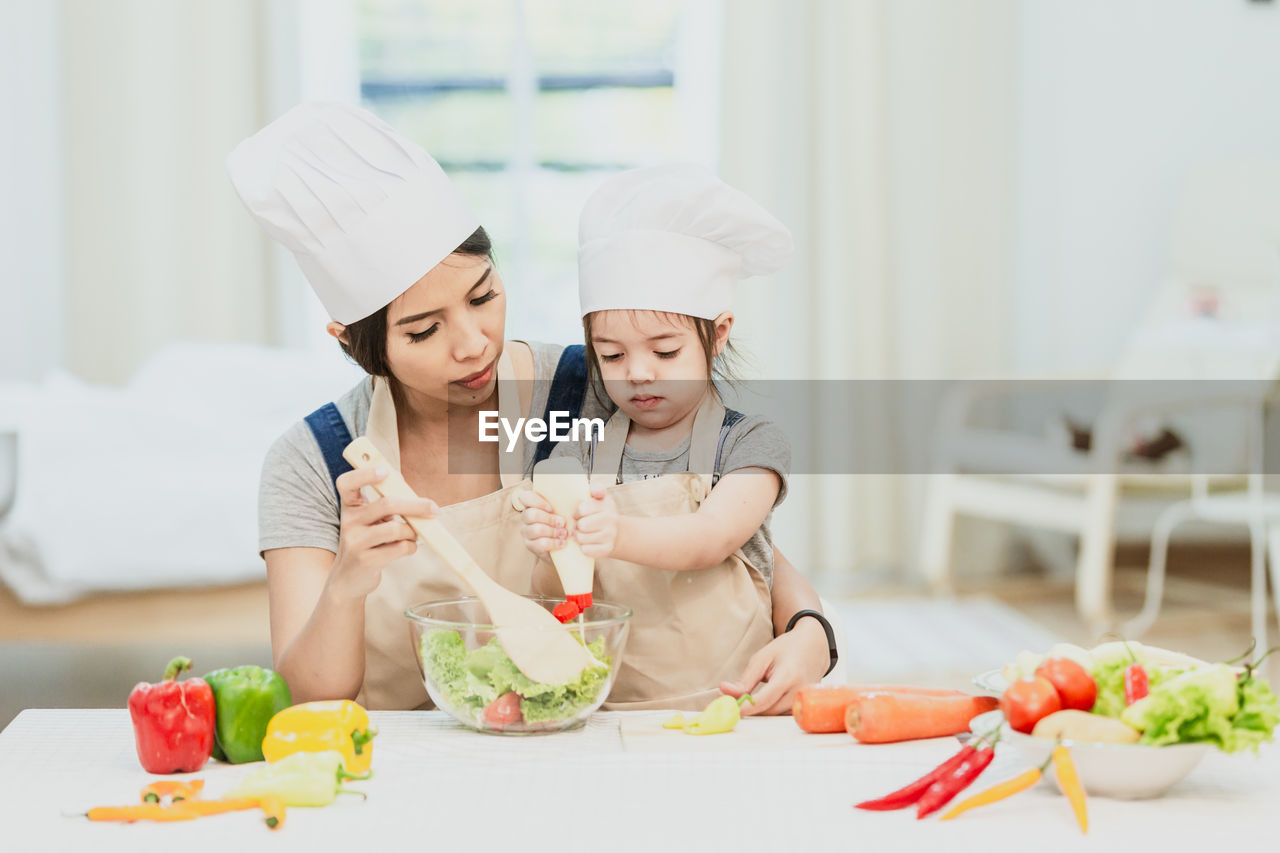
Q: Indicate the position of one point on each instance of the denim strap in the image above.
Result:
(333, 436)
(568, 390)
(730, 418)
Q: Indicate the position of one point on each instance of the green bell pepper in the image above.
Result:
(245, 699)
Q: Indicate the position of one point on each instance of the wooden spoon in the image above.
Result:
(536, 642)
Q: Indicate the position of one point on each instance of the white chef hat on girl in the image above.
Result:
(673, 238)
(365, 211)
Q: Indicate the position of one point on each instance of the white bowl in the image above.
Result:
(1119, 771)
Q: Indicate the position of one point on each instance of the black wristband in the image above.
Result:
(826, 627)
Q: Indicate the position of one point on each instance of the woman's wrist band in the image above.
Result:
(826, 628)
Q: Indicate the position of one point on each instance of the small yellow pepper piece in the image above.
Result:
(719, 717)
(676, 722)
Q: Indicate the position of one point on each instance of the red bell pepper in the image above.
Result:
(173, 721)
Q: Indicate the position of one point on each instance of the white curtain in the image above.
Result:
(881, 133)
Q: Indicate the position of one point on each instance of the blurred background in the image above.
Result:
(978, 189)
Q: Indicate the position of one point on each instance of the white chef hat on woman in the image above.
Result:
(673, 238)
(365, 211)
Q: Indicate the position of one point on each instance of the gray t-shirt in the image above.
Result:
(297, 507)
(752, 442)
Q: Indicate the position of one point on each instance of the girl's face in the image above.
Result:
(445, 333)
(653, 364)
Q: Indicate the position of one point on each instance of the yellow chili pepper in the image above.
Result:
(273, 810)
(341, 725)
(719, 717)
(999, 792)
(996, 793)
(1069, 781)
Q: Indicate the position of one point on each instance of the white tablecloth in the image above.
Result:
(620, 783)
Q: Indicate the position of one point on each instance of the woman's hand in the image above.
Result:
(597, 525)
(790, 661)
(543, 530)
(371, 533)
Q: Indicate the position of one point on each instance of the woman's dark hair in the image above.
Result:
(367, 339)
(722, 367)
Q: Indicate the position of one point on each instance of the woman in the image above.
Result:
(405, 271)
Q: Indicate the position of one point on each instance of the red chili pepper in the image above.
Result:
(953, 782)
(1136, 683)
(907, 795)
(173, 721)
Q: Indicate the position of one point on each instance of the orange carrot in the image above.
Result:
(889, 717)
(820, 709)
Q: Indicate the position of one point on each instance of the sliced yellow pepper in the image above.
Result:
(717, 718)
(341, 725)
(676, 722)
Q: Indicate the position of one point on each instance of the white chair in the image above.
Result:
(1252, 507)
(1217, 317)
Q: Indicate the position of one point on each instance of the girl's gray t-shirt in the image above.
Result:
(297, 506)
(752, 442)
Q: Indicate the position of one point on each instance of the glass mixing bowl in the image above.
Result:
(469, 676)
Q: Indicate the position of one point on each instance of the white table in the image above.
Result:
(621, 783)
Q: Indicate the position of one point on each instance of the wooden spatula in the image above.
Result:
(536, 642)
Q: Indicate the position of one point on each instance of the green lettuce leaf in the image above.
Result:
(1208, 704)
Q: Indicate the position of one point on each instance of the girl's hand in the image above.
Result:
(543, 530)
(790, 661)
(371, 533)
(597, 525)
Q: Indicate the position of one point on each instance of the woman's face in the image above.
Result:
(445, 333)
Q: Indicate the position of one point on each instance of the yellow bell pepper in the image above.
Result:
(341, 725)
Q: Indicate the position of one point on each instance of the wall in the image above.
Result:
(1117, 102)
(30, 191)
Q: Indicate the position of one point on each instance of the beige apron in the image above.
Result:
(487, 526)
(690, 630)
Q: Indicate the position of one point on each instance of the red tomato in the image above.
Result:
(503, 711)
(1028, 701)
(1076, 688)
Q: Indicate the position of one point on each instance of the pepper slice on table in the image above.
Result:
(721, 716)
(339, 725)
(247, 697)
(300, 779)
(173, 721)
(173, 790)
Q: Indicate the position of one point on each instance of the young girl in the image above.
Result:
(682, 490)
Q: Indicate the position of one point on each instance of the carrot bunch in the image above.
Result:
(885, 713)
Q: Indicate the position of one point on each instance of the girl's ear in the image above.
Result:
(723, 325)
(339, 331)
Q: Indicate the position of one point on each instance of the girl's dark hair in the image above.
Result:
(367, 339)
(720, 368)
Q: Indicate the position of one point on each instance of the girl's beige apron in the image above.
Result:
(690, 630)
(488, 527)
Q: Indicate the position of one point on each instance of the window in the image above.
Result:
(529, 104)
